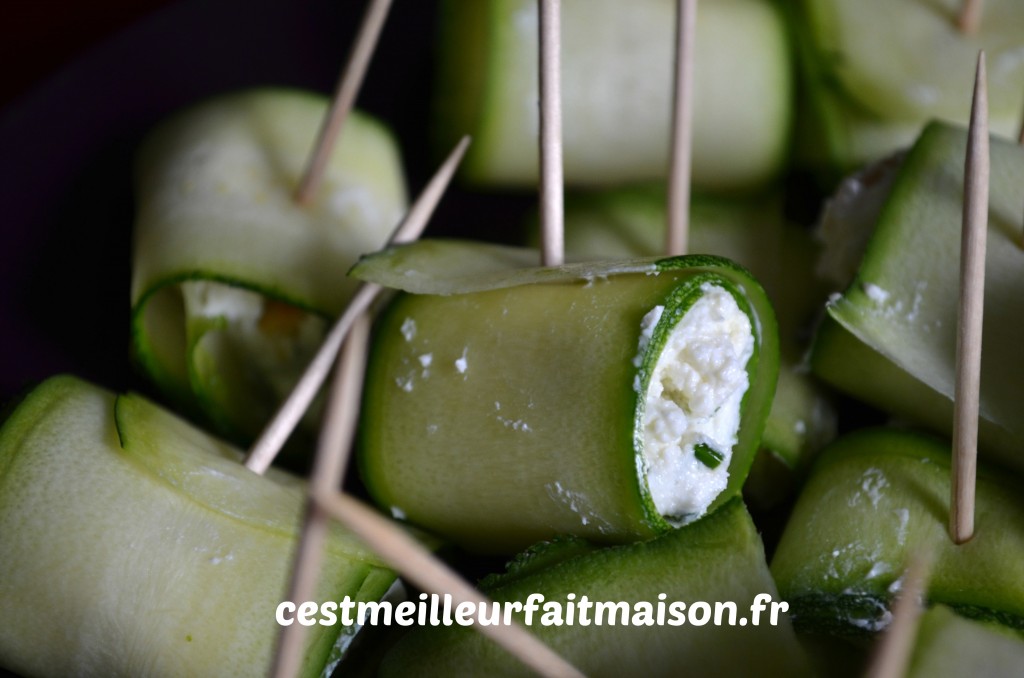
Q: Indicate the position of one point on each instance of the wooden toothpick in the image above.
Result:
(969, 316)
(276, 433)
(328, 474)
(344, 98)
(677, 238)
(422, 568)
(969, 19)
(551, 186)
(894, 649)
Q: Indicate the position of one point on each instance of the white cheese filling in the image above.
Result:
(276, 351)
(693, 401)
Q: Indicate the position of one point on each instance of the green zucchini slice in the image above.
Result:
(874, 498)
(878, 70)
(889, 339)
(617, 62)
(631, 222)
(513, 405)
(949, 646)
(233, 283)
(132, 543)
(718, 559)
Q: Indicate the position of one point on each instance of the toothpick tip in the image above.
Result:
(344, 99)
(967, 387)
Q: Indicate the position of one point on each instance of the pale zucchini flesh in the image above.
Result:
(216, 209)
(631, 222)
(133, 543)
(616, 90)
(875, 498)
(718, 558)
(900, 312)
(215, 187)
(950, 646)
(508, 410)
(879, 70)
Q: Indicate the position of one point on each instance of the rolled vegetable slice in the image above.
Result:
(132, 543)
(878, 70)
(876, 497)
(507, 404)
(890, 338)
(631, 222)
(617, 62)
(232, 281)
(633, 610)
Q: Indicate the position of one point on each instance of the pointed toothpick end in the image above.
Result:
(344, 98)
(967, 387)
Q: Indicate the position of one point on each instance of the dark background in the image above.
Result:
(37, 38)
(82, 84)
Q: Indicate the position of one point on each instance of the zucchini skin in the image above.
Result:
(876, 71)
(948, 645)
(874, 498)
(134, 544)
(616, 65)
(718, 558)
(214, 186)
(631, 222)
(890, 337)
(504, 416)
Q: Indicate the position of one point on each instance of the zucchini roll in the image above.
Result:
(890, 338)
(617, 61)
(131, 542)
(507, 404)
(234, 283)
(638, 609)
(876, 71)
(875, 498)
(631, 223)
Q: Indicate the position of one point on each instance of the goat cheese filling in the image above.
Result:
(692, 404)
(275, 340)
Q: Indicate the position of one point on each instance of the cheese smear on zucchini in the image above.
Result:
(692, 403)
